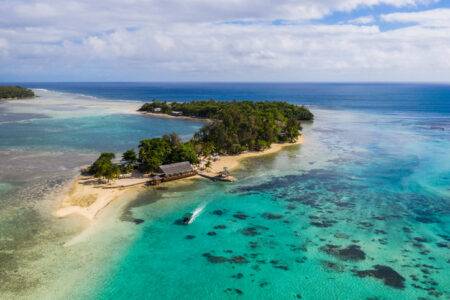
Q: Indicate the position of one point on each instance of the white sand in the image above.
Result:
(84, 196)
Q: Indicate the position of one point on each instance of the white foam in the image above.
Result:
(197, 212)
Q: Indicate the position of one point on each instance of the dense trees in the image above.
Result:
(8, 92)
(211, 108)
(103, 167)
(152, 153)
(162, 107)
(129, 159)
(239, 126)
(168, 149)
(235, 127)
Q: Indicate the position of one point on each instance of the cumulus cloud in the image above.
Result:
(218, 40)
(430, 18)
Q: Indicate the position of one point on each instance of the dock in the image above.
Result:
(219, 177)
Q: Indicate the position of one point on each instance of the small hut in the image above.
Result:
(176, 113)
(176, 171)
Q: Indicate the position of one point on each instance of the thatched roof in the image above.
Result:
(176, 168)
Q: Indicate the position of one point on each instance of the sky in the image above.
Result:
(225, 40)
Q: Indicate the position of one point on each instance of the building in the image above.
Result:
(176, 113)
(172, 172)
(177, 169)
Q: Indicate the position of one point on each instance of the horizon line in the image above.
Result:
(238, 82)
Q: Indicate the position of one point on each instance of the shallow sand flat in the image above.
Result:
(87, 199)
(64, 105)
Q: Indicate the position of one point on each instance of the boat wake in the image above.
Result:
(197, 212)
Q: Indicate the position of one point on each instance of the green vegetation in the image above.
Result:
(211, 108)
(239, 126)
(152, 153)
(11, 92)
(129, 159)
(168, 149)
(103, 167)
(234, 127)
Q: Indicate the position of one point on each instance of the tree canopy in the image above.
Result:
(10, 92)
(234, 127)
(168, 149)
(104, 168)
(239, 126)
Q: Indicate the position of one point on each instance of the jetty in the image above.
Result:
(221, 176)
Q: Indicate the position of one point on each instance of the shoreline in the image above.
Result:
(85, 197)
(233, 162)
(167, 116)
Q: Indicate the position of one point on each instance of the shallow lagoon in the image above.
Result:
(360, 210)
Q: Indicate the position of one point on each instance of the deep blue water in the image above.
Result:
(383, 97)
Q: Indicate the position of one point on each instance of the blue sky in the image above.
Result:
(225, 40)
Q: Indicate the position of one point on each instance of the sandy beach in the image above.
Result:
(233, 162)
(86, 197)
(166, 116)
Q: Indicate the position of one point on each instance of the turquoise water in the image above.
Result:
(43, 144)
(105, 133)
(380, 183)
(361, 210)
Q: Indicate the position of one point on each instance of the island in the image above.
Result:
(233, 130)
(15, 92)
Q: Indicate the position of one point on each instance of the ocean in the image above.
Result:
(361, 210)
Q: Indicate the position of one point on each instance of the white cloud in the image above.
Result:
(433, 18)
(175, 39)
